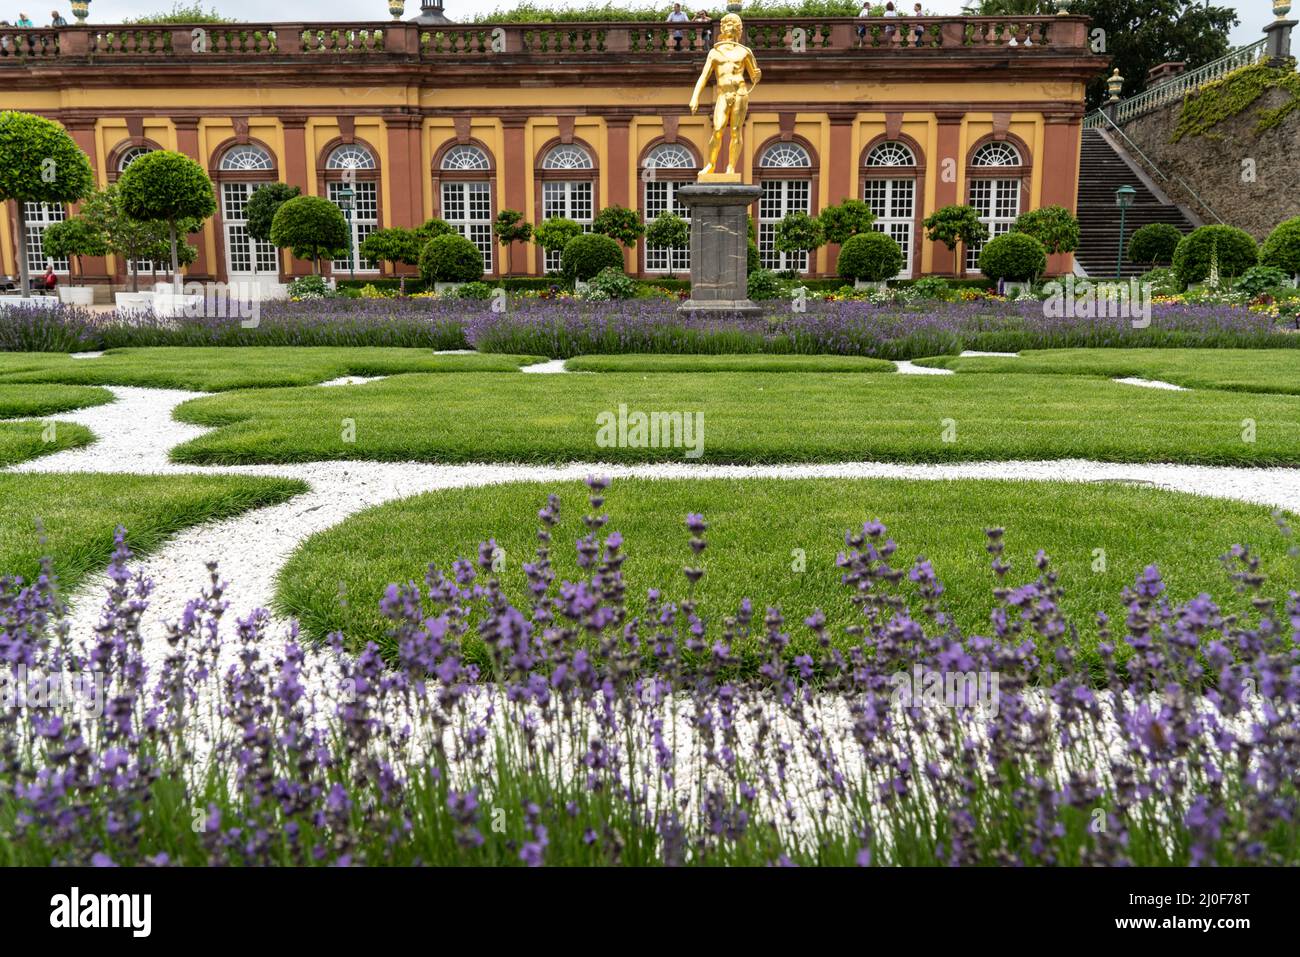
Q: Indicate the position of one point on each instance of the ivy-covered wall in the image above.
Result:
(1236, 143)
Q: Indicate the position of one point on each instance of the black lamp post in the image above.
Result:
(1123, 199)
(344, 198)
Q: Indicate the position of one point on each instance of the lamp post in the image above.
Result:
(344, 199)
(1123, 199)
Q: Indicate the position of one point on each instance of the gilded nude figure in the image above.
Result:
(736, 73)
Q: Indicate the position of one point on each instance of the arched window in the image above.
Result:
(129, 156)
(568, 197)
(350, 156)
(466, 196)
(351, 167)
(241, 170)
(785, 191)
(995, 174)
(889, 188)
(666, 169)
(246, 158)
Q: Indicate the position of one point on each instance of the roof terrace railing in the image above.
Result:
(900, 36)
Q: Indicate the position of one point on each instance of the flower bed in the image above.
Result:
(562, 751)
(561, 328)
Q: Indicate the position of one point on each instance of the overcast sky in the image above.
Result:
(1254, 15)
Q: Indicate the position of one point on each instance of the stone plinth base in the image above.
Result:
(719, 247)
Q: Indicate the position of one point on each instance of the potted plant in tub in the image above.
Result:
(72, 239)
(870, 259)
(449, 261)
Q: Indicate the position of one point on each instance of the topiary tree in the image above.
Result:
(39, 163)
(167, 186)
(1053, 226)
(1154, 243)
(260, 210)
(797, 233)
(850, 218)
(74, 238)
(510, 227)
(669, 231)
(586, 255)
(1282, 247)
(135, 240)
(953, 226)
(871, 257)
(451, 258)
(392, 245)
(1019, 257)
(554, 234)
(620, 223)
(1232, 249)
(311, 228)
(432, 229)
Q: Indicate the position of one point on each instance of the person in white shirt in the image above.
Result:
(862, 27)
(678, 16)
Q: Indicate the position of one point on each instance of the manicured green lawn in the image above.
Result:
(757, 362)
(20, 401)
(761, 529)
(20, 441)
(80, 511)
(747, 418)
(219, 368)
(1241, 370)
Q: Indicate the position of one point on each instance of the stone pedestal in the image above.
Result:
(719, 243)
(1278, 41)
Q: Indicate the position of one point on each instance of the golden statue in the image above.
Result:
(731, 63)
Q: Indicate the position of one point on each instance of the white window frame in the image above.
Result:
(558, 199)
(473, 198)
(37, 217)
(263, 257)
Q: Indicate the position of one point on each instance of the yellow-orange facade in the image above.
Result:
(416, 131)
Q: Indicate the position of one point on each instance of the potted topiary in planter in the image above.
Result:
(71, 239)
(870, 259)
(449, 261)
(1015, 260)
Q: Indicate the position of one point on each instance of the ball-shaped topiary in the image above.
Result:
(1282, 247)
(1015, 256)
(870, 256)
(586, 255)
(451, 258)
(1233, 248)
(311, 226)
(1154, 244)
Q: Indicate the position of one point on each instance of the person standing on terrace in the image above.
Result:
(56, 19)
(24, 21)
(678, 16)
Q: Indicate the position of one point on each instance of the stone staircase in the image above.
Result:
(1102, 170)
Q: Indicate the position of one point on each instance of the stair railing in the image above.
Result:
(1161, 173)
(1175, 88)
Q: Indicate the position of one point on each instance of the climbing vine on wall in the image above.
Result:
(1234, 93)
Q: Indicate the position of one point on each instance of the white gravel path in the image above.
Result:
(907, 367)
(972, 353)
(1150, 384)
(353, 380)
(549, 367)
(86, 355)
(136, 432)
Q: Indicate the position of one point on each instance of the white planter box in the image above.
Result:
(861, 284)
(168, 305)
(77, 295)
(442, 288)
(47, 302)
(133, 301)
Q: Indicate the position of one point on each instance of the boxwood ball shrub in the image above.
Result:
(1235, 249)
(586, 255)
(1282, 248)
(451, 258)
(1154, 244)
(871, 256)
(311, 226)
(1014, 256)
